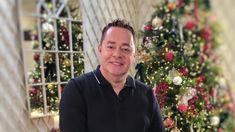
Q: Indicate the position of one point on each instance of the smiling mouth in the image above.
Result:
(117, 63)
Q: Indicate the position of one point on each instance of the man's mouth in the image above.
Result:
(117, 63)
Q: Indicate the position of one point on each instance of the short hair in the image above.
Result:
(118, 23)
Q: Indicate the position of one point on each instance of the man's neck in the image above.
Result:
(117, 82)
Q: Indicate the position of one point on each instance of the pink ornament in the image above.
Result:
(169, 56)
(190, 25)
(182, 108)
(168, 122)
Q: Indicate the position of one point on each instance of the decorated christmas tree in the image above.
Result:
(178, 60)
(58, 47)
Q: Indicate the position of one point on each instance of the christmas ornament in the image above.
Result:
(190, 25)
(206, 33)
(157, 22)
(169, 56)
(168, 122)
(180, 3)
(50, 86)
(183, 71)
(182, 108)
(191, 92)
(214, 120)
(177, 80)
(172, 73)
(175, 129)
(36, 57)
(171, 6)
(48, 58)
(200, 79)
(148, 28)
(47, 27)
(66, 62)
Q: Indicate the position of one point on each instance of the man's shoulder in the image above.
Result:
(141, 86)
(82, 80)
(83, 77)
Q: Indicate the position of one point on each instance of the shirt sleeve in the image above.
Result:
(72, 109)
(156, 124)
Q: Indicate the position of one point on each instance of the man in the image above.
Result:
(108, 99)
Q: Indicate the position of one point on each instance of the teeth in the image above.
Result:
(116, 63)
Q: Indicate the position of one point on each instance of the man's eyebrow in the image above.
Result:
(111, 42)
(125, 44)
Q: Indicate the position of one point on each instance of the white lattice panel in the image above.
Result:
(98, 13)
(226, 17)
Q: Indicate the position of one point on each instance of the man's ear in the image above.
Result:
(99, 48)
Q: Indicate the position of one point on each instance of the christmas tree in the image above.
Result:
(178, 60)
(58, 46)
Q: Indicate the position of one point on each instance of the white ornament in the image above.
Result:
(47, 27)
(172, 73)
(215, 120)
(191, 92)
(157, 22)
(177, 80)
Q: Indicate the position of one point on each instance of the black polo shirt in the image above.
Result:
(89, 104)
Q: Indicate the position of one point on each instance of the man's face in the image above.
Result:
(117, 51)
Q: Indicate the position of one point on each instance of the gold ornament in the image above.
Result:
(50, 86)
(48, 58)
(146, 57)
(66, 62)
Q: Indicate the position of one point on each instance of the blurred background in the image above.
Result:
(44, 43)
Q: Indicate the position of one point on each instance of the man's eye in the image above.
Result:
(127, 49)
(110, 47)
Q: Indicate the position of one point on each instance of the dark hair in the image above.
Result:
(118, 23)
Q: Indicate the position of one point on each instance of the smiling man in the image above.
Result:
(108, 99)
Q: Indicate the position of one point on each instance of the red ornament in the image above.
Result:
(169, 56)
(206, 33)
(190, 25)
(182, 108)
(36, 57)
(180, 3)
(148, 28)
(183, 71)
(200, 79)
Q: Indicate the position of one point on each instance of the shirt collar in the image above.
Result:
(130, 82)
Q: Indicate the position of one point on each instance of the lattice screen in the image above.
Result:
(97, 13)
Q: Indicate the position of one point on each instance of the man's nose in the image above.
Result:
(117, 52)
